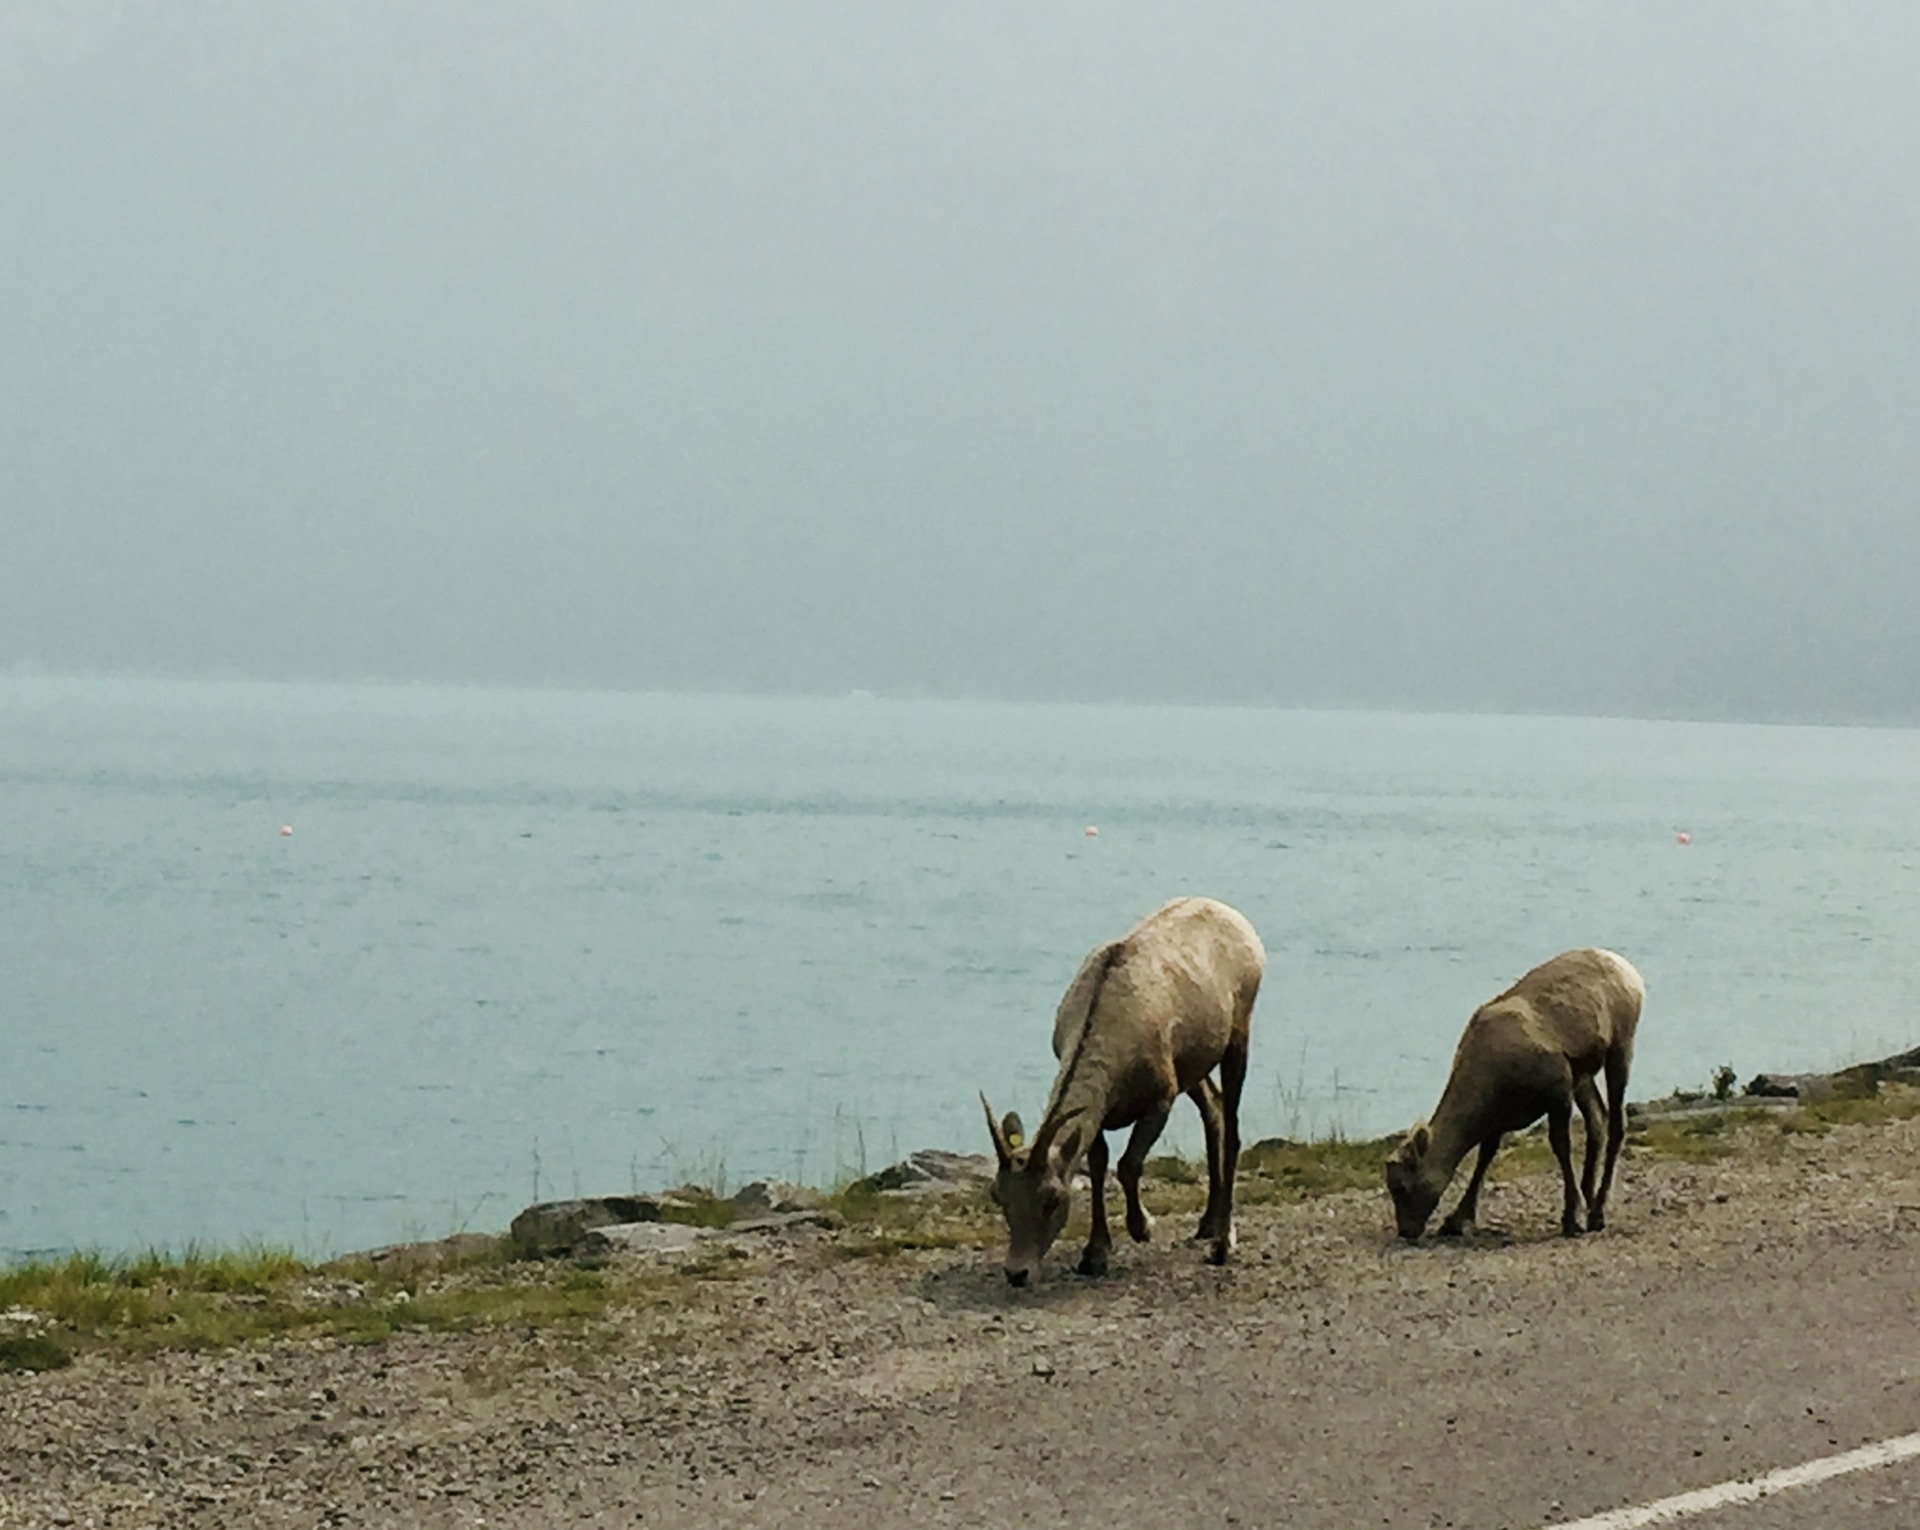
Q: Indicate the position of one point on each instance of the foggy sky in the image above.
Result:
(1545, 357)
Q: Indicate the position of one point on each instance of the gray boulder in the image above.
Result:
(556, 1229)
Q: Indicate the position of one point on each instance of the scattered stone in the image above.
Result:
(1042, 1366)
(556, 1229)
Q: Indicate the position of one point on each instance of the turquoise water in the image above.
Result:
(525, 944)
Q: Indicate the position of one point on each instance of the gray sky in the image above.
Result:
(1530, 356)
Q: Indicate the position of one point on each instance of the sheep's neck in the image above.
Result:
(1458, 1127)
(1082, 1094)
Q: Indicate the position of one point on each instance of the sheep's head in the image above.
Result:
(1030, 1186)
(1413, 1191)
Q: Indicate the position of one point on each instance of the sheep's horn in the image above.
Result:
(1000, 1148)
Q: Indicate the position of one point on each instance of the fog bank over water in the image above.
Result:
(1486, 357)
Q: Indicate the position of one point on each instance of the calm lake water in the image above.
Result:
(527, 944)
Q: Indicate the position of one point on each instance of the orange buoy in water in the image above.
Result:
(1683, 838)
(285, 830)
(1092, 831)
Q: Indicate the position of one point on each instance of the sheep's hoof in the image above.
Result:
(1596, 1220)
(1571, 1229)
(1217, 1254)
(1093, 1264)
(1140, 1230)
(1451, 1229)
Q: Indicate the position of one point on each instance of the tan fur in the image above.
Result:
(1147, 1017)
(1533, 1051)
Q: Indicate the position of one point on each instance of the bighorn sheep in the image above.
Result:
(1533, 1051)
(1147, 1017)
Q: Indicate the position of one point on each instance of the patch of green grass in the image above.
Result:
(726, 1262)
(710, 1212)
(215, 1301)
(1278, 1170)
(32, 1352)
(1868, 1106)
(1691, 1139)
(889, 1245)
(1172, 1169)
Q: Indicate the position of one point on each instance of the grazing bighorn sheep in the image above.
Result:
(1146, 1018)
(1533, 1051)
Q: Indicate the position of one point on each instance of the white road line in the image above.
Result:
(1702, 1500)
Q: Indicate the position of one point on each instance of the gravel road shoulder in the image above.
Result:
(1739, 1314)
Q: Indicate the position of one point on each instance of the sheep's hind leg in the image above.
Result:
(1206, 1096)
(1560, 1135)
(1217, 1224)
(1616, 1136)
(1093, 1258)
(1587, 1097)
(1146, 1132)
(1467, 1211)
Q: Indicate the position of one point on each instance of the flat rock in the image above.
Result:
(1676, 1108)
(932, 1171)
(766, 1197)
(555, 1229)
(666, 1238)
(1791, 1086)
(1860, 1079)
(785, 1222)
(459, 1247)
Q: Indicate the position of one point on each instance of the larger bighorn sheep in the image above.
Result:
(1147, 1018)
(1533, 1051)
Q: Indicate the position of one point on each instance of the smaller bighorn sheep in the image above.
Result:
(1531, 1052)
(1147, 1017)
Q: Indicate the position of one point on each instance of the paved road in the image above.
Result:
(1875, 1500)
(1506, 1386)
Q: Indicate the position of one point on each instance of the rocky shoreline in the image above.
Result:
(690, 1216)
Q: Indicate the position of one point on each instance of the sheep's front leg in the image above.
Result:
(1467, 1211)
(1146, 1132)
(1093, 1258)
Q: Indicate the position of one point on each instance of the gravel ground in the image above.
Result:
(1738, 1315)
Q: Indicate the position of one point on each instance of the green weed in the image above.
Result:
(32, 1352)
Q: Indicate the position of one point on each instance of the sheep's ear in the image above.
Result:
(1066, 1145)
(1422, 1140)
(1013, 1131)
